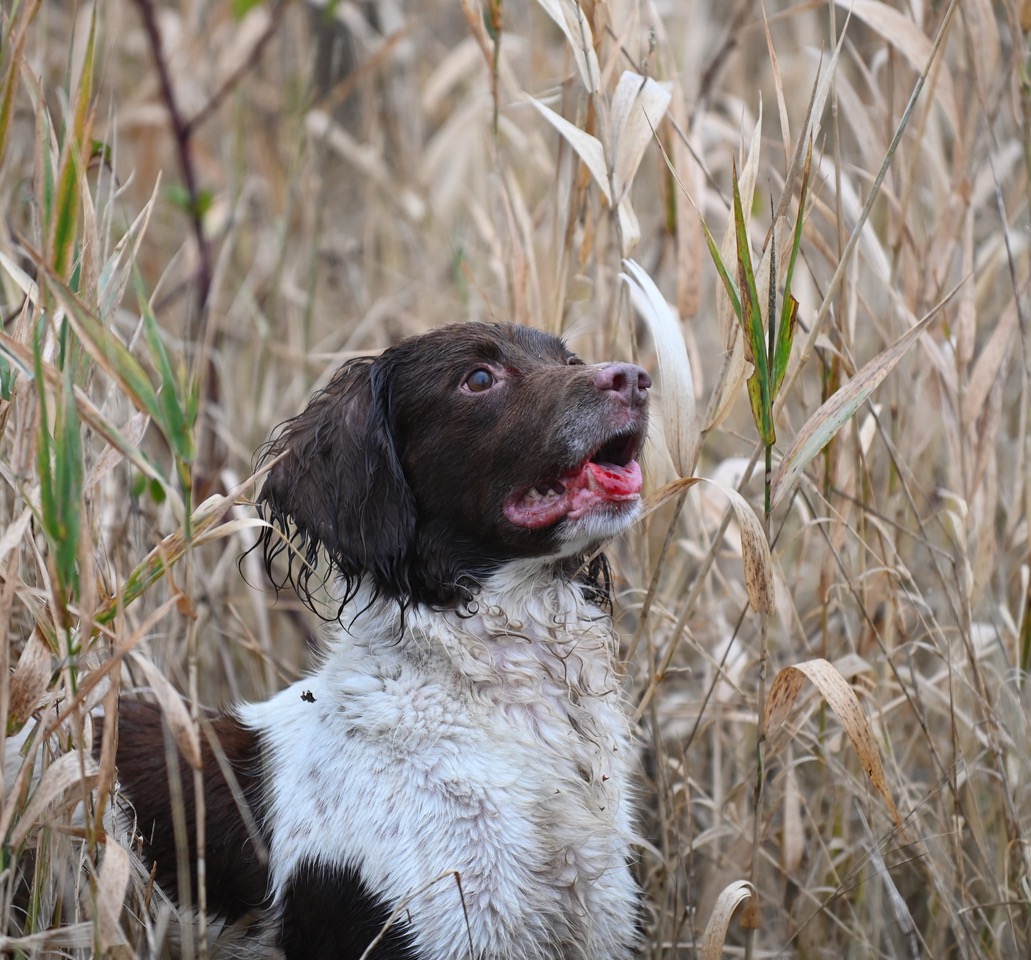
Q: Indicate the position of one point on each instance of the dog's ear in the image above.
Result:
(340, 488)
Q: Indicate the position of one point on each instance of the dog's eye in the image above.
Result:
(574, 361)
(480, 380)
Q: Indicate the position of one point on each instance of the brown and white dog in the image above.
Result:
(460, 763)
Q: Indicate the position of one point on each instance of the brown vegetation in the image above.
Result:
(207, 206)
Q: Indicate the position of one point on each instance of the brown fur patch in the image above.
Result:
(237, 875)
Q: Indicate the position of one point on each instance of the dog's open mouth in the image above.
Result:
(610, 475)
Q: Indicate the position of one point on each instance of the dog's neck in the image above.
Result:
(526, 605)
(532, 641)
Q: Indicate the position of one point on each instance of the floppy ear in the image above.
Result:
(341, 487)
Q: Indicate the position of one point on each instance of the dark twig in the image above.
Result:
(181, 131)
(722, 55)
(206, 112)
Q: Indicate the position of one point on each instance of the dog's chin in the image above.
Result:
(592, 529)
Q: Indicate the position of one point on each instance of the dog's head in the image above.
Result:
(421, 471)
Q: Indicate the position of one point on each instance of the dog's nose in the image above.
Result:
(626, 379)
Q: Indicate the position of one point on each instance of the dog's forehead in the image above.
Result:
(507, 345)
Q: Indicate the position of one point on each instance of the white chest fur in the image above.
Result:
(475, 771)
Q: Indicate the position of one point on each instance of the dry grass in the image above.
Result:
(411, 182)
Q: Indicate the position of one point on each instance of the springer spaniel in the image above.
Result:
(454, 781)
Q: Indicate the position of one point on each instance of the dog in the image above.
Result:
(455, 780)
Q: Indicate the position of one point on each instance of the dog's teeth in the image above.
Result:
(550, 490)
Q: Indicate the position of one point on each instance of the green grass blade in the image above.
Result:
(59, 462)
(84, 93)
(43, 167)
(179, 405)
(755, 399)
(789, 308)
(14, 47)
(751, 321)
(796, 240)
(65, 221)
(174, 421)
(107, 351)
(751, 313)
(785, 338)
(721, 268)
(68, 474)
(21, 358)
(6, 379)
(177, 416)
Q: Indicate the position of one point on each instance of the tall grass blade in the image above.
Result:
(752, 323)
(29, 681)
(908, 38)
(48, 505)
(818, 430)
(588, 148)
(6, 380)
(64, 219)
(785, 338)
(66, 525)
(715, 936)
(173, 711)
(569, 17)
(789, 308)
(638, 106)
(128, 447)
(843, 701)
(107, 350)
(114, 274)
(179, 413)
(69, 772)
(43, 168)
(14, 48)
(729, 283)
(680, 425)
(111, 888)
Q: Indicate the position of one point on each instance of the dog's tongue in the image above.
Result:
(616, 483)
(592, 484)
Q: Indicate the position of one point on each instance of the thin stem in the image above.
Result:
(181, 132)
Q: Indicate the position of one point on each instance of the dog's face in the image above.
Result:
(452, 453)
